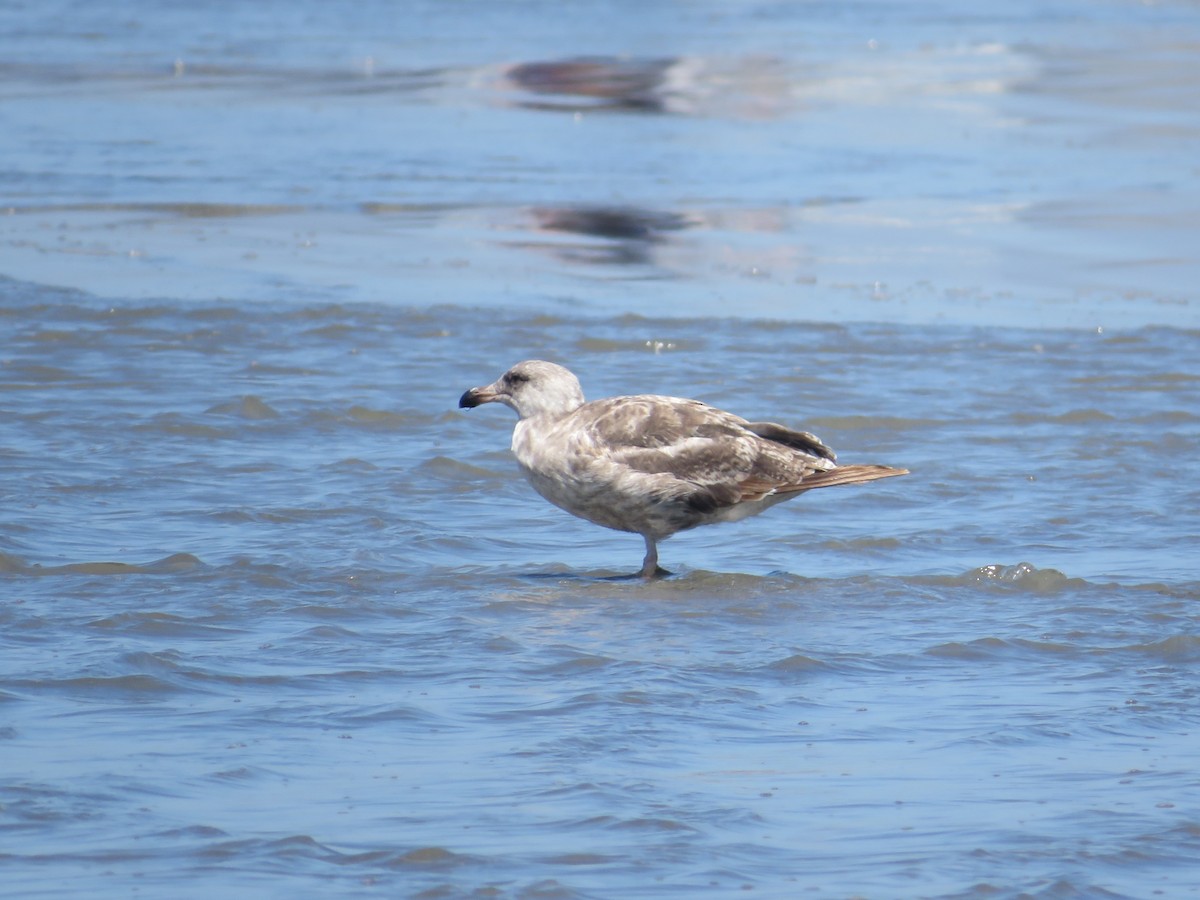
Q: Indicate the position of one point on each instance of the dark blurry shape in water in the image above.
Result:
(756, 86)
(607, 82)
(628, 233)
(615, 222)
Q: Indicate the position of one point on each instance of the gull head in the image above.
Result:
(531, 388)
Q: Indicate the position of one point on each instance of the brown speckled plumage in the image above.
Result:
(655, 465)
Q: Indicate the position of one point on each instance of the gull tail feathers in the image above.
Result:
(844, 475)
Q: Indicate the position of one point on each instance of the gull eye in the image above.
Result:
(514, 378)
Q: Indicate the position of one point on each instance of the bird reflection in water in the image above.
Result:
(617, 83)
(624, 235)
(755, 87)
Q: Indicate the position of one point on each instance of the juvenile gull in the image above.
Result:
(654, 465)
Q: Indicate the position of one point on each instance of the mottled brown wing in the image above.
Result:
(652, 421)
(711, 459)
(689, 440)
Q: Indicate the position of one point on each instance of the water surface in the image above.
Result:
(277, 619)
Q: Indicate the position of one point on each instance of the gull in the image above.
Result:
(654, 465)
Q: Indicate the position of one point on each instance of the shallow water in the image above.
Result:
(277, 619)
(1021, 163)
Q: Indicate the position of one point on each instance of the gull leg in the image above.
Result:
(650, 567)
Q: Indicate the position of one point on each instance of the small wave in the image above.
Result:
(142, 662)
(652, 824)
(11, 565)
(248, 407)
(364, 417)
(436, 857)
(333, 632)
(1071, 417)
(286, 515)
(288, 847)
(175, 425)
(175, 564)
(191, 210)
(993, 647)
(1167, 417)
(862, 545)
(159, 624)
(382, 419)
(682, 583)
(585, 662)
(798, 662)
(29, 373)
(241, 773)
(118, 687)
(303, 846)
(582, 859)
(456, 473)
(1023, 576)
(1178, 648)
(191, 832)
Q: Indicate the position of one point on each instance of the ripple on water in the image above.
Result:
(989, 648)
(174, 425)
(160, 625)
(1021, 576)
(1178, 648)
(799, 662)
(137, 688)
(282, 852)
(389, 660)
(175, 564)
(248, 407)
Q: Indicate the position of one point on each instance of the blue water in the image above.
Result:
(277, 619)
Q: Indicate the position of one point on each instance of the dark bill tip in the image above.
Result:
(471, 399)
